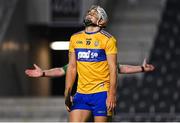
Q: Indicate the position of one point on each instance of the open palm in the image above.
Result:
(36, 72)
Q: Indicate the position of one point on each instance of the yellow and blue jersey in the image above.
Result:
(91, 51)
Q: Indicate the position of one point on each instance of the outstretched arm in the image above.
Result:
(38, 72)
(128, 69)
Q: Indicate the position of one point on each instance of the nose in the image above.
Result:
(89, 16)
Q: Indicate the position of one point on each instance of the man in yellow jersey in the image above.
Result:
(93, 54)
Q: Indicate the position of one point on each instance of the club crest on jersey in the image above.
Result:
(96, 43)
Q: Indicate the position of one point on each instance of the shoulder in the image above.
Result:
(108, 36)
(78, 33)
(105, 33)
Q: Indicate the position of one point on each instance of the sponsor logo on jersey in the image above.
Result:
(79, 42)
(90, 55)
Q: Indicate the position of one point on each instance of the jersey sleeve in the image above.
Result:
(111, 46)
(71, 45)
(65, 68)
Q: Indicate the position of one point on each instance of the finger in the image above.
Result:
(28, 72)
(30, 75)
(110, 106)
(147, 65)
(144, 62)
(68, 109)
(71, 99)
(114, 106)
(107, 105)
(152, 67)
(36, 66)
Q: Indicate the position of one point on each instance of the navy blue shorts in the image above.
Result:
(95, 102)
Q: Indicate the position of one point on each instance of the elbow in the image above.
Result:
(72, 67)
(113, 69)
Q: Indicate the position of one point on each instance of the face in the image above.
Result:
(93, 16)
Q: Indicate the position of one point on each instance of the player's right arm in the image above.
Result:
(70, 74)
(70, 79)
(38, 72)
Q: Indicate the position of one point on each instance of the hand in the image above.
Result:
(36, 72)
(68, 100)
(147, 67)
(111, 102)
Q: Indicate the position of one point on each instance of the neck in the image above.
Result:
(92, 29)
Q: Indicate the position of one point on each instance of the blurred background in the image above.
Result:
(143, 28)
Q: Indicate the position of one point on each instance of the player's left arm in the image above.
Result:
(111, 54)
(111, 98)
(128, 69)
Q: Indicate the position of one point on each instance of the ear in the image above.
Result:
(101, 23)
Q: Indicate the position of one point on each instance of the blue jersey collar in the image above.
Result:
(92, 32)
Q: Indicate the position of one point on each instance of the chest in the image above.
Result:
(90, 43)
(90, 49)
